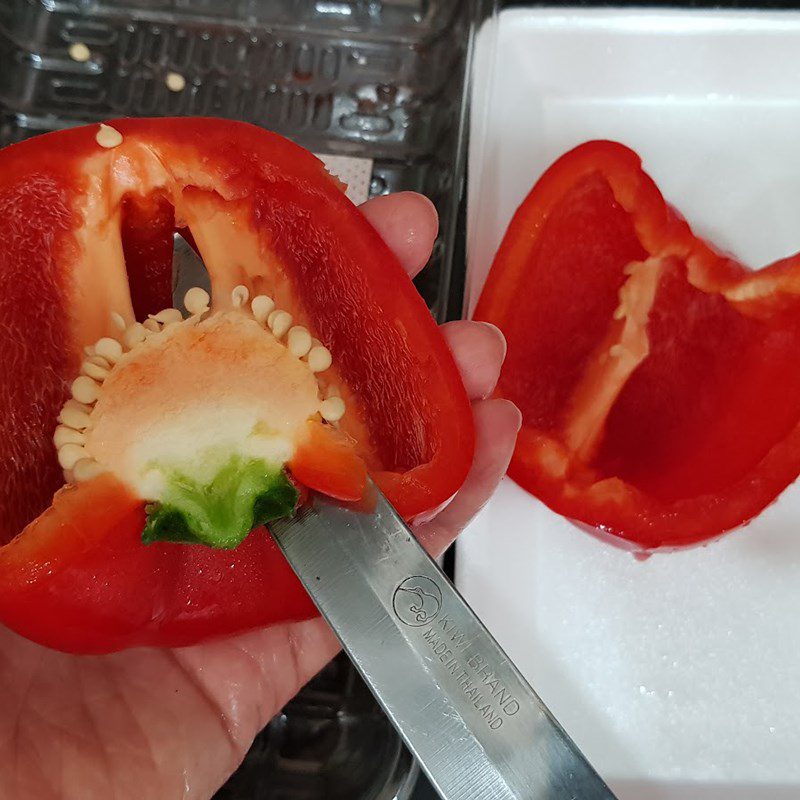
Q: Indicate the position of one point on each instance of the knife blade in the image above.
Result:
(476, 727)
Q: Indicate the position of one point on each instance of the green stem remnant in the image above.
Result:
(244, 494)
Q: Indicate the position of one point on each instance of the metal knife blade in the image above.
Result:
(477, 728)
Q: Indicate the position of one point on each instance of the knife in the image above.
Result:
(476, 727)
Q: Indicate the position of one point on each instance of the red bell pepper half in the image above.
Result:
(657, 377)
(313, 362)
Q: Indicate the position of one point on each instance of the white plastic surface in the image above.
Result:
(356, 173)
(679, 675)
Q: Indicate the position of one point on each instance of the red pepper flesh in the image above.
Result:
(657, 377)
(85, 230)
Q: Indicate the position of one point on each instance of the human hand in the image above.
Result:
(175, 723)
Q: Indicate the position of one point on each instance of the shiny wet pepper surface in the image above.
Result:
(143, 443)
(658, 378)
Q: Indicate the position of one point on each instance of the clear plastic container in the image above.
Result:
(381, 79)
(332, 741)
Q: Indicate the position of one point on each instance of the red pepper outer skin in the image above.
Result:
(83, 582)
(77, 576)
(703, 432)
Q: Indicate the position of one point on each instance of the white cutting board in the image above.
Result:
(678, 675)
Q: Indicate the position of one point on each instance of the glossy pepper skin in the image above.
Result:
(85, 230)
(658, 378)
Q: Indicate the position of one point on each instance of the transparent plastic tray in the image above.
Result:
(382, 80)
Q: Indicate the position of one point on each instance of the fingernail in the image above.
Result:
(500, 336)
(514, 411)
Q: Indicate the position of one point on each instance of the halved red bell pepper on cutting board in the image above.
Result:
(316, 361)
(658, 378)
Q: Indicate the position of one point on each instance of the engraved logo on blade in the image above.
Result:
(417, 601)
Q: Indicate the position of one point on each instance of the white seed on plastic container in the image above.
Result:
(281, 322)
(79, 52)
(298, 341)
(319, 359)
(239, 296)
(65, 435)
(70, 454)
(118, 320)
(332, 409)
(196, 301)
(86, 469)
(151, 325)
(262, 307)
(109, 349)
(175, 82)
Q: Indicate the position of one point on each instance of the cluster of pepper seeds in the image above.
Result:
(101, 358)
